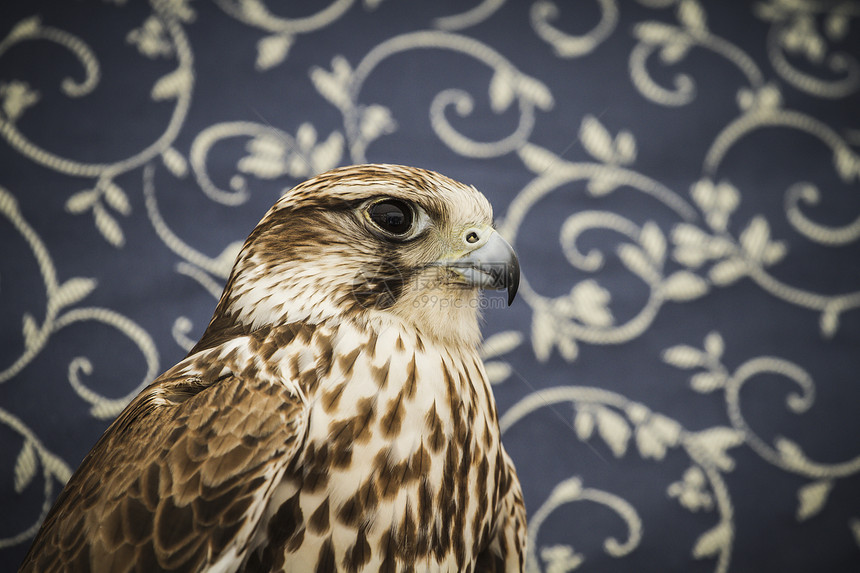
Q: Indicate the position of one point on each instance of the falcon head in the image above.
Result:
(374, 244)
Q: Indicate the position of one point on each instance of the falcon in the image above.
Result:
(334, 416)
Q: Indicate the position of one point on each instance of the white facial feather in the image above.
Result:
(315, 247)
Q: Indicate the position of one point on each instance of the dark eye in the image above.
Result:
(391, 215)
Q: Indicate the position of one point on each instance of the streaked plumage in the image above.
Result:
(335, 415)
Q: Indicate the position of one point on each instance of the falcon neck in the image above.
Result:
(354, 363)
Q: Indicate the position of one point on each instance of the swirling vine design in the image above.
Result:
(55, 472)
(176, 85)
(363, 124)
(618, 420)
(793, 31)
(58, 315)
(668, 98)
(567, 45)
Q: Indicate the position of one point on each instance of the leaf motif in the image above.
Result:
(81, 201)
(269, 145)
(115, 197)
(596, 139)
(497, 372)
(583, 423)
(689, 256)
(537, 159)
(667, 429)
(625, 148)
(262, 166)
(224, 262)
(108, 226)
(773, 253)
(341, 69)
(543, 335)
(715, 441)
(745, 99)
(272, 50)
(755, 237)
(726, 197)
(254, 10)
(690, 235)
(653, 241)
(728, 271)
(692, 16)
(790, 452)
(56, 467)
(534, 91)
(684, 285)
(614, 430)
(649, 443)
(327, 154)
(769, 97)
(684, 357)
(836, 26)
(704, 193)
(15, 98)
(674, 52)
(589, 301)
(334, 85)
(296, 165)
(567, 347)
(601, 185)
(501, 343)
(502, 91)
(635, 260)
(175, 162)
(172, 85)
(376, 120)
(854, 524)
(705, 382)
(811, 498)
(30, 331)
(829, 322)
(561, 558)
(714, 345)
(306, 136)
(25, 28)
(713, 541)
(182, 327)
(25, 467)
(182, 11)
(843, 161)
(72, 291)
(637, 413)
(656, 33)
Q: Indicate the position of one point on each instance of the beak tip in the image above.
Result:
(513, 282)
(493, 265)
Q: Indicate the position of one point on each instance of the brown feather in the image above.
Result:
(327, 418)
(180, 503)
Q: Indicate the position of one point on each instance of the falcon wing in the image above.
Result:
(505, 552)
(179, 481)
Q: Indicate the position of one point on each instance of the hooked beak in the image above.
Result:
(492, 265)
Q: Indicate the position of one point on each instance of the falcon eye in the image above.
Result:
(392, 216)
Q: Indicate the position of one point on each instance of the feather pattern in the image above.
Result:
(314, 426)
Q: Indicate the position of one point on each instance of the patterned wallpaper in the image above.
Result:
(678, 378)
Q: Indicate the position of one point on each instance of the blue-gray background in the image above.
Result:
(678, 377)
